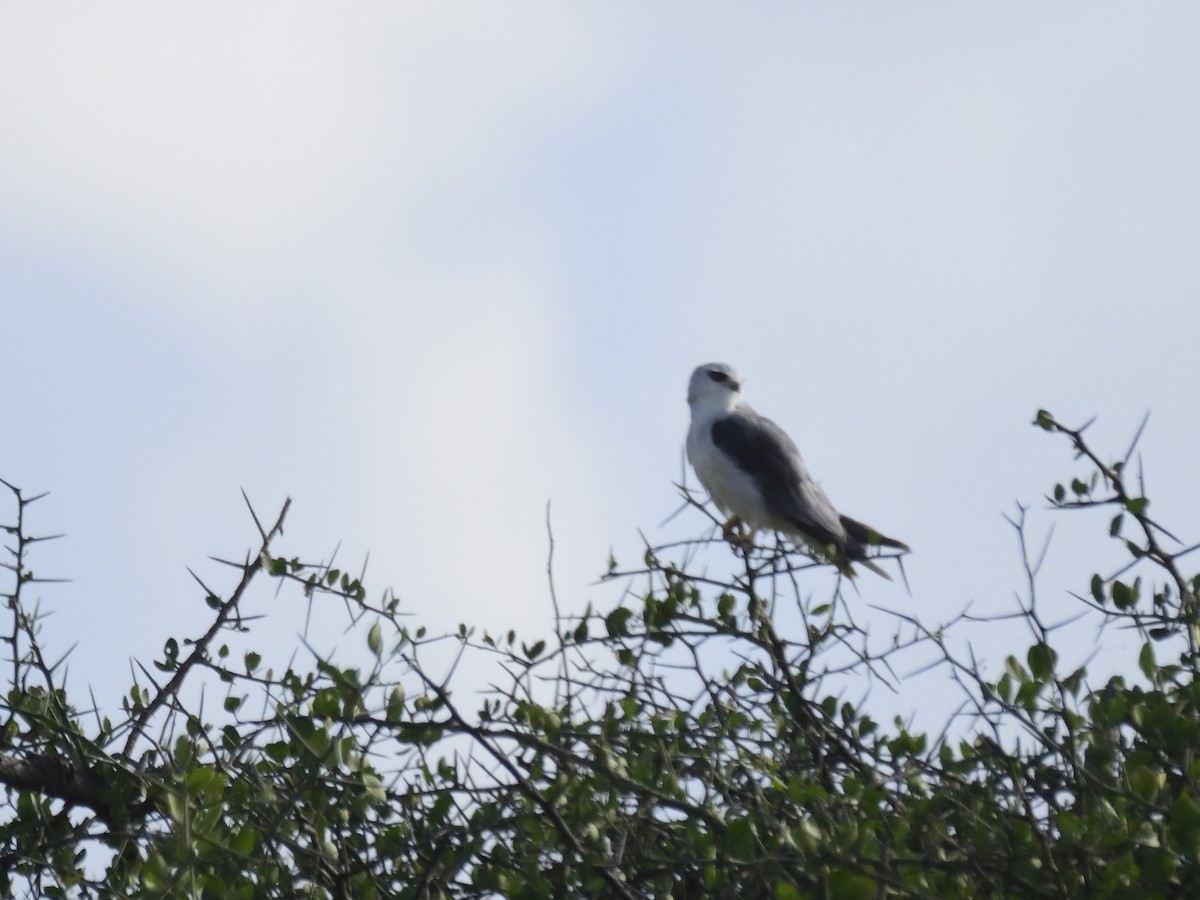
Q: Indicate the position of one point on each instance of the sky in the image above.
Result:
(425, 268)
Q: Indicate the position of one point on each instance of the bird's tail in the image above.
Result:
(848, 570)
(865, 534)
(861, 537)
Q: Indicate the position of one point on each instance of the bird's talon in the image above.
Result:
(733, 532)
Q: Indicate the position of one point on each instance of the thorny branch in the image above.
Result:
(694, 739)
(225, 610)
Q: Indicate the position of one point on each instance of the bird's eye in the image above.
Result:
(718, 377)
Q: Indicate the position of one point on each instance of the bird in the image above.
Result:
(756, 477)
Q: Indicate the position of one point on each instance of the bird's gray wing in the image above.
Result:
(762, 450)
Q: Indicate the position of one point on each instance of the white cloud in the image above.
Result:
(248, 145)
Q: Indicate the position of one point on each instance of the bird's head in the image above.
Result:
(716, 387)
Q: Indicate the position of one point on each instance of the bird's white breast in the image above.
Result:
(735, 492)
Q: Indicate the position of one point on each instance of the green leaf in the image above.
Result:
(847, 885)
(1158, 866)
(1185, 824)
(785, 890)
(395, 704)
(1145, 782)
(245, 841)
(374, 787)
(201, 779)
(375, 639)
(176, 807)
(1044, 420)
(741, 839)
(1123, 595)
(155, 874)
(617, 622)
(1004, 688)
(1146, 661)
(1041, 659)
(1134, 550)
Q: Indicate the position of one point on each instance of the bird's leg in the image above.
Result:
(733, 531)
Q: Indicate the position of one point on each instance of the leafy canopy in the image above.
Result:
(693, 740)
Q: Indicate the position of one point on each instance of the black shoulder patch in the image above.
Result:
(762, 449)
(755, 450)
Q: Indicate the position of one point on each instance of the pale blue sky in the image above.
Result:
(424, 268)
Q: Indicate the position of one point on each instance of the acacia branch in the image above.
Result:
(481, 738)
(54, 777)
(200, 649)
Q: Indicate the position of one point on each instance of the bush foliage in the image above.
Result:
(693, 740)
